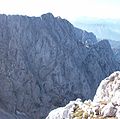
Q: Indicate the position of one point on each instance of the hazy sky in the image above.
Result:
(69, 9)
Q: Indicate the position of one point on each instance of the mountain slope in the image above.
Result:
(45, 62)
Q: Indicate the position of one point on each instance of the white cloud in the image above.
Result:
(70, 9)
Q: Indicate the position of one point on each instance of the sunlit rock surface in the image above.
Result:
(106, 103)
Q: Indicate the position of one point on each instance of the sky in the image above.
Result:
(68, 9)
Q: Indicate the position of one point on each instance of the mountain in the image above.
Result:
(115, 45)
(102, 28)
(106, 103)
(45, 62)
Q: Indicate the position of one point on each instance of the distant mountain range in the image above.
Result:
(102, 28)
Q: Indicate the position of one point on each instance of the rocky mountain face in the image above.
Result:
(115, 45)
(106, 103)
(46, 62)
(117, 54)
(86, 38)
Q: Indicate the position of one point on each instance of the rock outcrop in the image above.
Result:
(115, 45)
(117, 54)
(44, 63)
(106, 103)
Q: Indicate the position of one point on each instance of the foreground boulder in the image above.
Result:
(105, 105)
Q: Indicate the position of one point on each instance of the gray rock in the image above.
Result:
(7, 115)
(85, 37)
(115, 45)
(44, 64)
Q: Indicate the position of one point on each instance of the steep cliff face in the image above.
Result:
(115, 45)
(85, 37)
(44, 64)
(117, 54)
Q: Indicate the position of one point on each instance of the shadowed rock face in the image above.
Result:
(44, 63)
